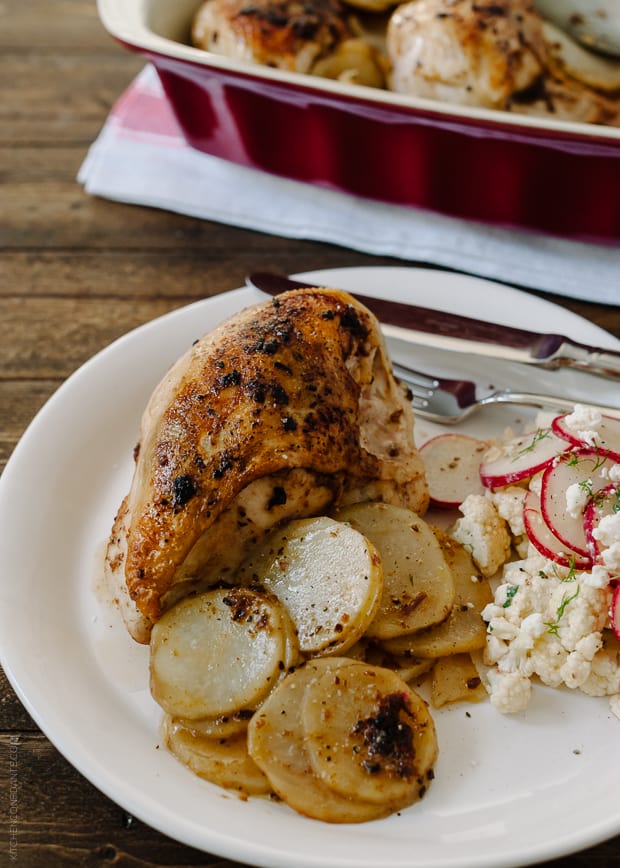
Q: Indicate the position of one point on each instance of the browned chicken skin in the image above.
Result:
(284, 411)
(289, 34)
(494, 53)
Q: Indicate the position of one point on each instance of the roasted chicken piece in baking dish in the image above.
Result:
(286, 410)
(498, 54)
(466, 52)
(313, 37)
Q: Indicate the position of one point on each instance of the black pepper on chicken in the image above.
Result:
(287, 410)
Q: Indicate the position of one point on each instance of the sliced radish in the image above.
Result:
(520, 458)
(545, 541)
(586, 469)
(452, 463)
(615, 612)
(605, 502)
(607, 436)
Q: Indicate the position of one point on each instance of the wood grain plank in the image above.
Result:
(48, 339)
(13, 717)
(176, 273)
(20, 401)
(51, 93)
(71, 24)
(41, 789)
(59, 214)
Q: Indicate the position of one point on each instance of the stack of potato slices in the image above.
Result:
(297, 680)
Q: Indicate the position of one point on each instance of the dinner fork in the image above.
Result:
(449, 401)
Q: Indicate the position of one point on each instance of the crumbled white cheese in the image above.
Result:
(607, 531)
(599, 577)
(584, 422)
(484, 533)
(607, 534)
(611, 557)
(577, 496)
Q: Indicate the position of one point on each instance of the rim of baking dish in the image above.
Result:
(128, 22)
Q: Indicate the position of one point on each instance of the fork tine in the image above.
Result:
(414, 377)
(421, 387)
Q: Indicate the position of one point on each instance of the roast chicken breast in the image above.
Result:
(286, 410)
(466, 52)
(498, 54)
(282, 33)
(317, 38)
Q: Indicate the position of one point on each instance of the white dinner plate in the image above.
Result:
(509, 790)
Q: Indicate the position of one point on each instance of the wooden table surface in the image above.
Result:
(75, 273)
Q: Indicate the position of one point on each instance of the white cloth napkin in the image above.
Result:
(141, 157)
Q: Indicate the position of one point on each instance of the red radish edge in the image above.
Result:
(615, 612)
(608, 436)
(594, 511)
(545, 541)
(452, 463)
(556, 479)
(538, 450)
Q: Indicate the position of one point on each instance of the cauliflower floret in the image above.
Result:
(545, 621)
(533, 579)
(502, 628)
(509, 691)
(520, 656)
(547, 662)
(604, 678)
(483, 532)
(494, 650)
(509, 504)
(579, 611)
(576, 669)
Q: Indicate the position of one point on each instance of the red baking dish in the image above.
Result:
(501, 168)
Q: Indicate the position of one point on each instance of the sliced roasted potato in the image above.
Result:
(406, 666)
(368, 733)
(463, 630)
(595, 70)
(224, 726)
(219, 652)
(327, 575)
(223, 761)
(354, 61)
(456, 679)
(276, 742)
(418, 588)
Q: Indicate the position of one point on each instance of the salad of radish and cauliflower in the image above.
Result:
(546, 519)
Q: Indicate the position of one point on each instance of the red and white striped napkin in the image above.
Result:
(141, 157)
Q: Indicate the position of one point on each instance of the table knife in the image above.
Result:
(450, 331)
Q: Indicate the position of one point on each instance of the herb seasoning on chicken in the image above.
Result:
(286, 410)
